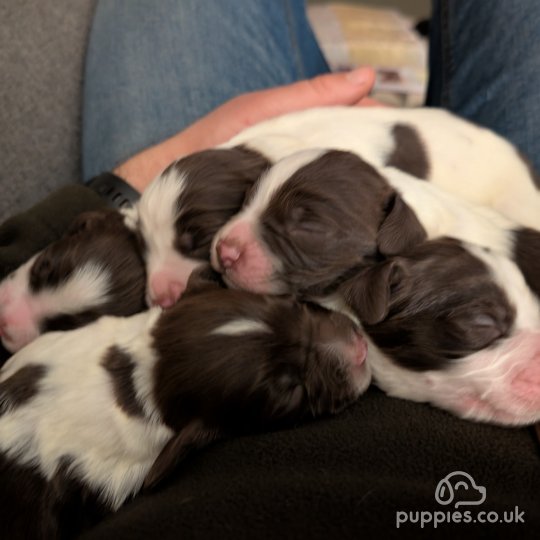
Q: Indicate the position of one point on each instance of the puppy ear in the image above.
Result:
(88, 220)
(203, 278)
(192, 437)
(369, 292)
(400, 229)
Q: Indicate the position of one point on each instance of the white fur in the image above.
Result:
(156, 214)
(74, 413)
(240, 327)
(472, 162)
(21, 310)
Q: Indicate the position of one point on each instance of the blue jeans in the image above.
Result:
(485, 66)
(154, 67)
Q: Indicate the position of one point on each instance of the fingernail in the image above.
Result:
(359, 76)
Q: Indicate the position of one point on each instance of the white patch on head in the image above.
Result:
(157, 214)
(21, 310)
(240, 327)
(86, 287)
(275, 177)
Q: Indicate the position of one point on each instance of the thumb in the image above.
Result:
(344, 88)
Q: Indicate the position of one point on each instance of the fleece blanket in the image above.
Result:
(384, 467)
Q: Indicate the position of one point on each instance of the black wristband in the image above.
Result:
(115, 191)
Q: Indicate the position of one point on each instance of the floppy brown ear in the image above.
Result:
(400, 230)
(369, 293)
(203, 278)
(194, 436)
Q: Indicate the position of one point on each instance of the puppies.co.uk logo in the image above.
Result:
(458, 489)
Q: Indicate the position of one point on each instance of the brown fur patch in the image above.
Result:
(21, 387)
(409, 154)
(120, 367)
(527, 256)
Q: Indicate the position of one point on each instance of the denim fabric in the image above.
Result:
(485, 66)
(152, 68)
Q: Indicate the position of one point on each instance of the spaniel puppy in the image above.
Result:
(91, 416)
(455, 325)
(317, 215)
(179, 213)
(95, 269)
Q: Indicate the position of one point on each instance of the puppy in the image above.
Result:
(467, 160)
(89, 417)
(455, 325)
(317, 215)
(95, 269)
(179, 213)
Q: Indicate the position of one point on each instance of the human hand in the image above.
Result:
(347, 88)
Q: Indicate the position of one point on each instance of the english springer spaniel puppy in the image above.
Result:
(467, 160)
(179, 213)
(455, 325)
(91, 416)
(317, 215)
(95, 269)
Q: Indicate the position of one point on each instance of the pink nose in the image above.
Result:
(360, 350)
(228, 253)
(165, 293)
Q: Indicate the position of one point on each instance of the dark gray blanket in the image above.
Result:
(349, 476)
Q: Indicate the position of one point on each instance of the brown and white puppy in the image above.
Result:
(179, 213)
(89, 417)
(95, 269)
(318, 215)
(455, 325)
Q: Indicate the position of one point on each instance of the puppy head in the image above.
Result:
(313, 216)
(238, 361)
(95, 269)
(179, 213)
(436, 303)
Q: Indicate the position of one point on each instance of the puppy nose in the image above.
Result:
(359, 347)
(165, 293)
(228, 253)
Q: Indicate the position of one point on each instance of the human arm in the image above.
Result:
(347, 88)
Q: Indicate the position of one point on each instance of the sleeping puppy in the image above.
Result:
(95, 269)
(458, 156)
(179, 213)
(317, 215)
(89, 417)
(455, 325)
